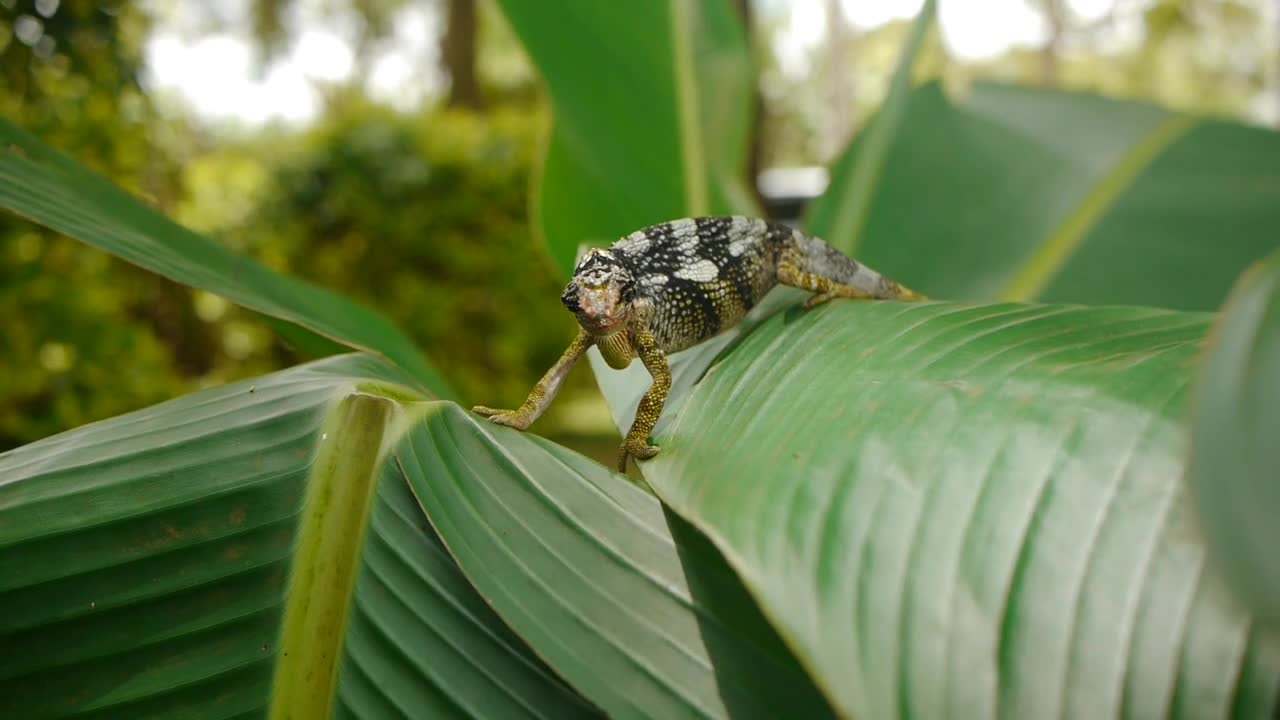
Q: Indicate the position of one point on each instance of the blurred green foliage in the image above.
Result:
(422, 215)
(82, 334)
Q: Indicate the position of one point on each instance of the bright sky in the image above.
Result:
(216, 73)
(970, 30)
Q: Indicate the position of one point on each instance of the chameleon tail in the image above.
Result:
(813, 256)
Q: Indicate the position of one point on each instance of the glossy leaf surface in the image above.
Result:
(970, 509)
(632, 607)
(145, 561)
(422, 643)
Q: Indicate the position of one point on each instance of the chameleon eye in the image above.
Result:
(569, 298)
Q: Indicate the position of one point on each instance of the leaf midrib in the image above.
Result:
(1045, 261)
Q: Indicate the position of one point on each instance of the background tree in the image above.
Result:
(458, 54)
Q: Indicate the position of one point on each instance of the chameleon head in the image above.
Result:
(600, 294)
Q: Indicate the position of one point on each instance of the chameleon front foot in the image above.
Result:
(518, 419)
(636, 447)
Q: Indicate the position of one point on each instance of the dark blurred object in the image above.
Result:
(458, 55)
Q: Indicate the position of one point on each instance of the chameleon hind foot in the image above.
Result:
(518, 419)
(816, 300)
(851, 293)
(636, 447)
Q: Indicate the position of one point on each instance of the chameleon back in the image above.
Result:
(701, 275)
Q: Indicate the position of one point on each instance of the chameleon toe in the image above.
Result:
(638, 449)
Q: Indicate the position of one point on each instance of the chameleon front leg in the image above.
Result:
(636, 443)
(544, 392)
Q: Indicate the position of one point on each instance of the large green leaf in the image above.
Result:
(967, 509)
(247, 550)
(972, 510)
(1235, 459)
(631, 606)
(53, 190)
(422, 643)
(652, 104)
(198, 558)
(1020, 194)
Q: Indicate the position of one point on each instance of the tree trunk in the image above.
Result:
(458, 54)
(1049, 55)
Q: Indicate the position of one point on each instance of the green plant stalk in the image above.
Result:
(845, 228)
(1053, 253)
(694, 155)
(334, 517)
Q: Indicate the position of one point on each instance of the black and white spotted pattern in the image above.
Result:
(695, 277)
(701, 275)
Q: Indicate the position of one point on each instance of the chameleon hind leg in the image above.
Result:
(792, 272)
(823, 288)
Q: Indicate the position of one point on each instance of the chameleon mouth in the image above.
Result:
(605, 325)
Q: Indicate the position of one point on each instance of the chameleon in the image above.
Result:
(671, 286)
